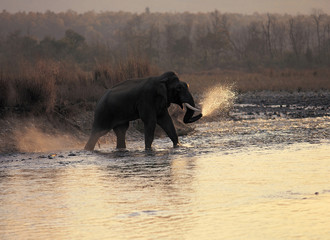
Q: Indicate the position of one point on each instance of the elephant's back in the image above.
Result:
(129, 85)
(117, 104)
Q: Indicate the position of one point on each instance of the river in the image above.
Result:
(248, 179)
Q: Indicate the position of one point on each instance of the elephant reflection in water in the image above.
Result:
(147, 99)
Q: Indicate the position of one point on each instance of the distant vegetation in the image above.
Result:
(49, 61)
(180, 41)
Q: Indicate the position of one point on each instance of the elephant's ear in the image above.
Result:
(161, 95)
(169, 78)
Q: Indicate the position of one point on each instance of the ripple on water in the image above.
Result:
(228, 179)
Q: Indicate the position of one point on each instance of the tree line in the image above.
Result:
(184, 42)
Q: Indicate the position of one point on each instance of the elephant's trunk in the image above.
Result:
(191, 109)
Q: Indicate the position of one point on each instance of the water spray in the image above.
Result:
(218, 98)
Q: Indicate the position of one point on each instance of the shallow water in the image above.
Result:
(250, 179)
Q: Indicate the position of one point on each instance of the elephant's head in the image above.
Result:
(178, 93)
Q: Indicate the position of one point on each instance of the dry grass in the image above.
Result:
(109, 75)
(267, 79)
(46, 85)
(29, 88)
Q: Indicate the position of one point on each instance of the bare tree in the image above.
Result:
(297, 36)
(267, 30)
(279, 38)
(317, 17)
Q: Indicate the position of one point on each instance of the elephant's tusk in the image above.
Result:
(192, 108)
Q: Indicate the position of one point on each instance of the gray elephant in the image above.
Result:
(146, 99)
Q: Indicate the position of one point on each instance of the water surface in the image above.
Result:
(255, 179)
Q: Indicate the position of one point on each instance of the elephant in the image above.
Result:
(147, 99)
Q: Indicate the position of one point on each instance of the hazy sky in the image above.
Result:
(233, 6)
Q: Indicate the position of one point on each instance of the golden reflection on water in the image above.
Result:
(256, 194)
(267, 195)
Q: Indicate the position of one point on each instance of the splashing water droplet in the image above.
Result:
(218, 98)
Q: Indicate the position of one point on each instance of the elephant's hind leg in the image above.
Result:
(90, 145)
(120, 132)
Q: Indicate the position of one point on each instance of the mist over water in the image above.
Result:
(32, 139)
(217, 98)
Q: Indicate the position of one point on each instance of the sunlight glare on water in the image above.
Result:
(259, 194)
(257, 179)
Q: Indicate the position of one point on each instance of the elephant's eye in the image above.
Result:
(179, 88)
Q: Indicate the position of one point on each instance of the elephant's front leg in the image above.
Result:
(149, 132)
(166, 123)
